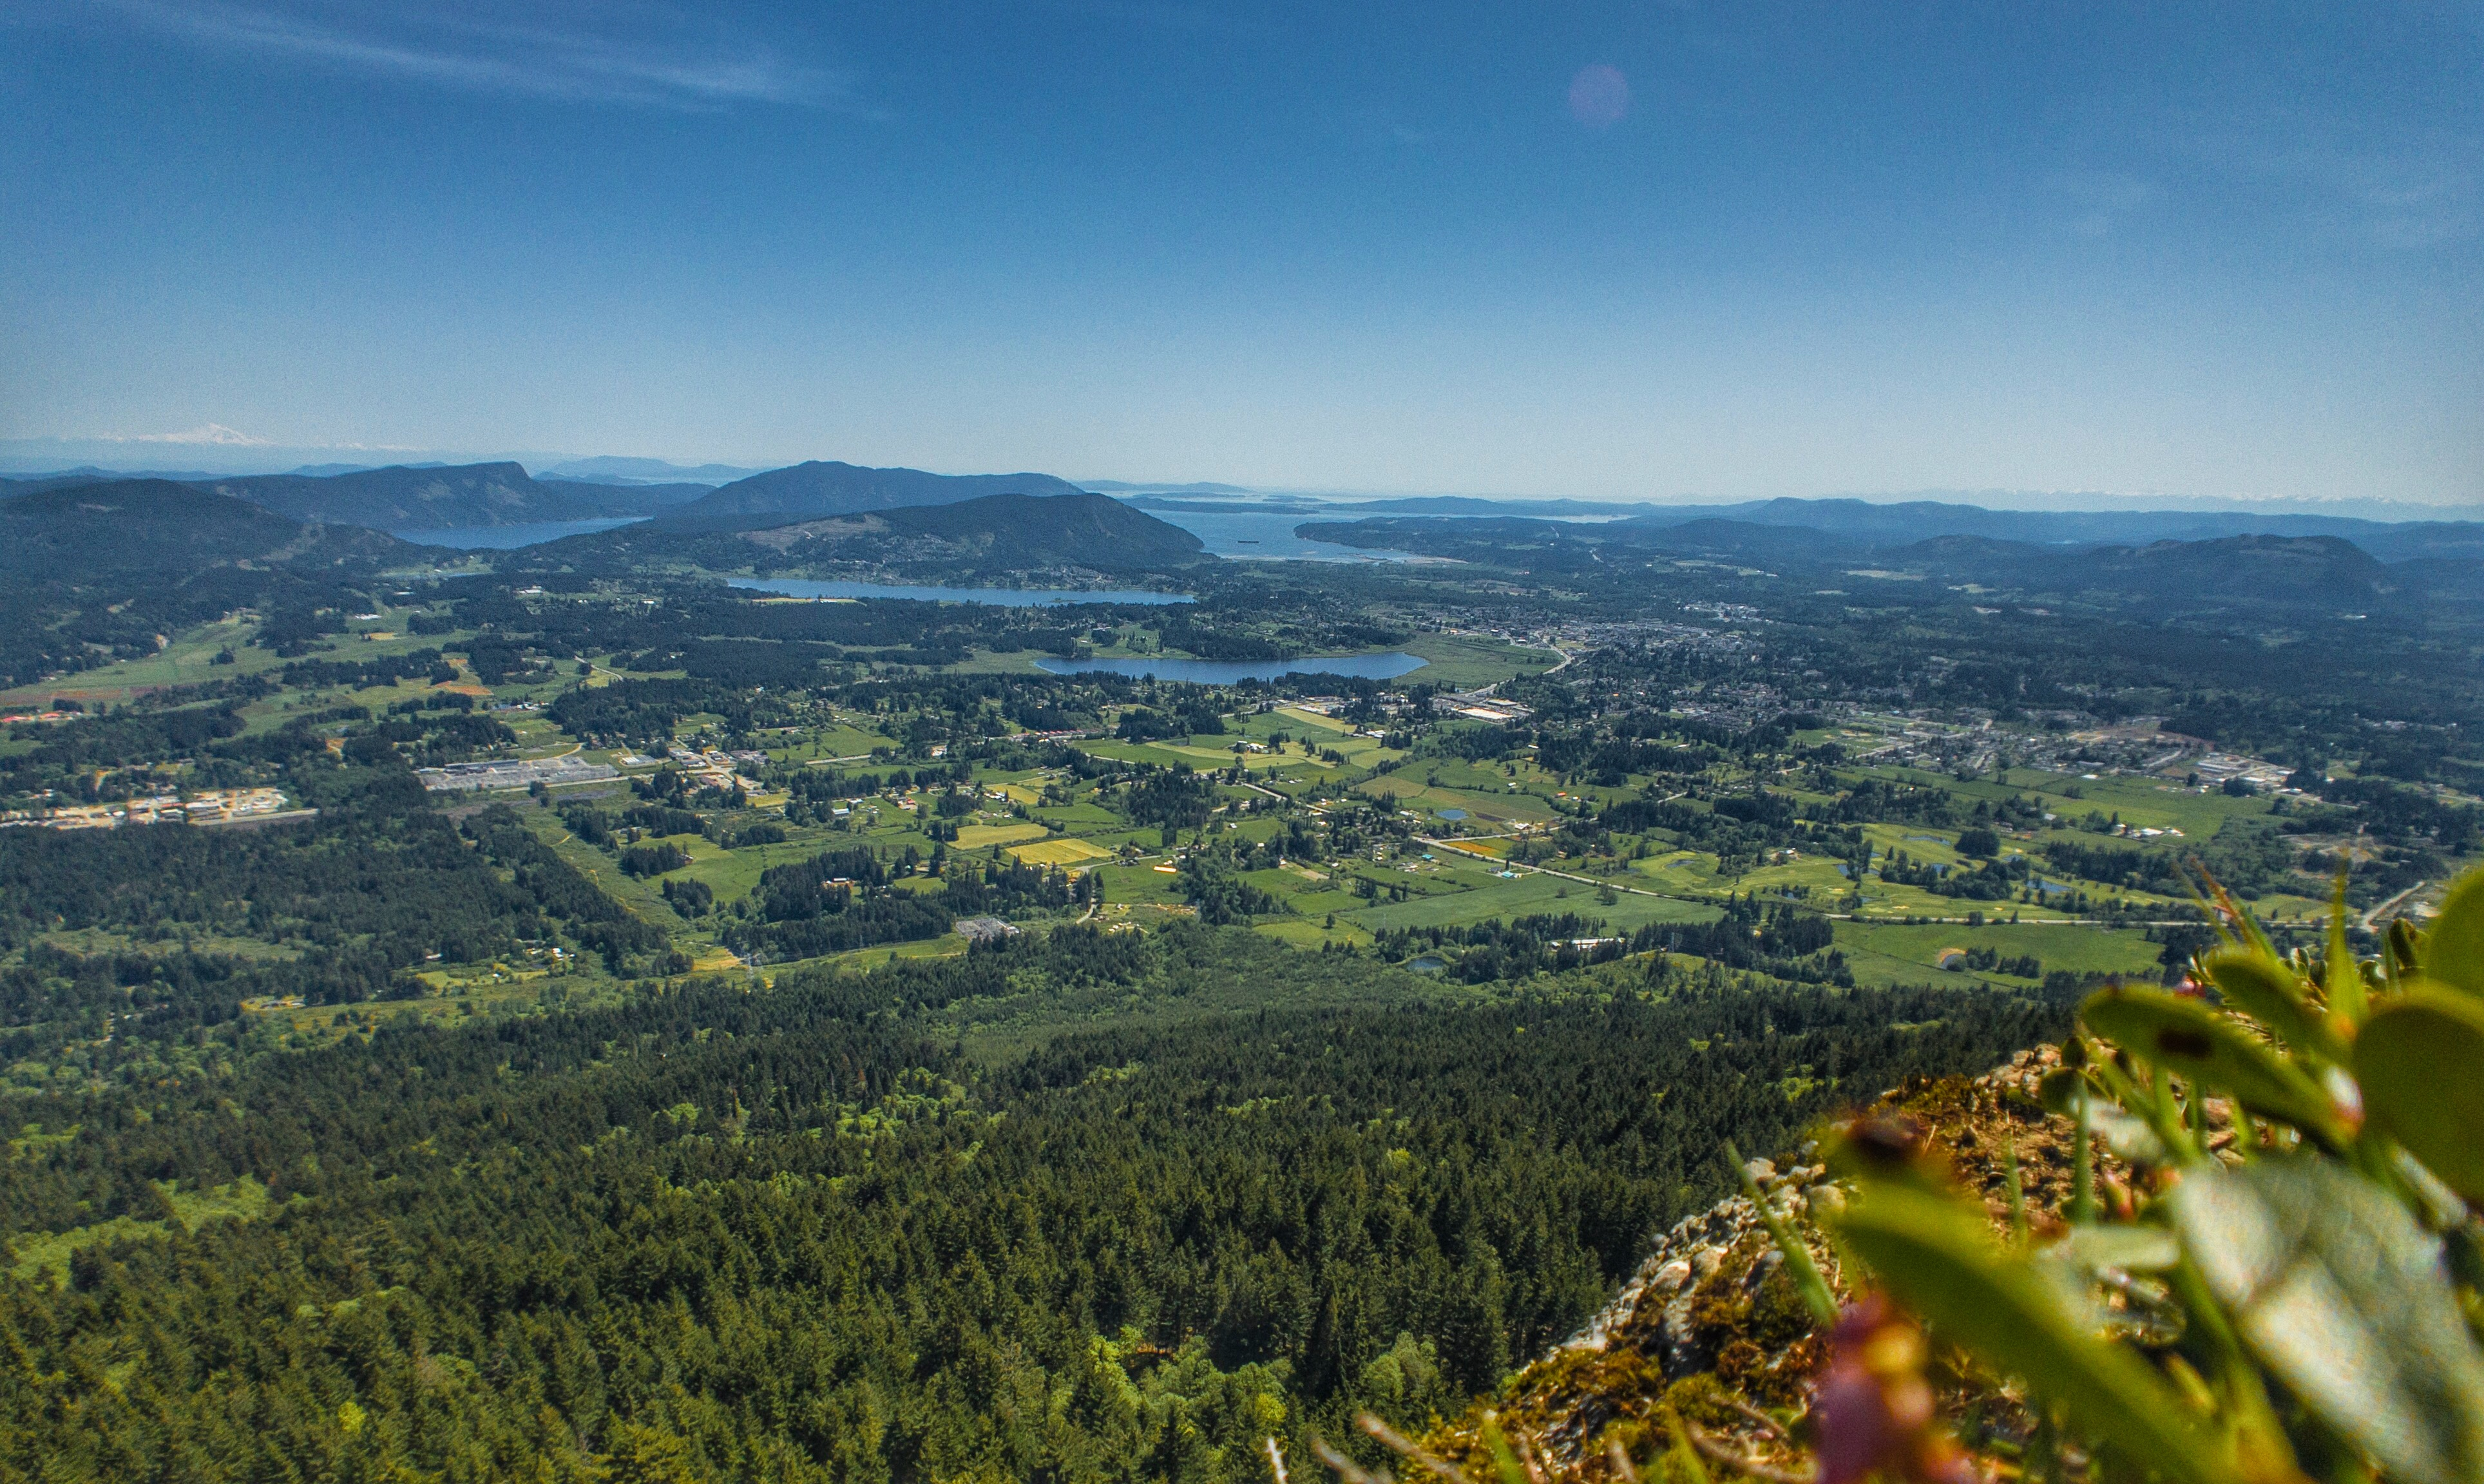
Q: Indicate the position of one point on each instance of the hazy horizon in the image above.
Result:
(234, 459)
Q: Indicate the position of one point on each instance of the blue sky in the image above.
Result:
(1629, 251)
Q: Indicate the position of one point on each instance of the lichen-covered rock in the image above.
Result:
(1711, 1331)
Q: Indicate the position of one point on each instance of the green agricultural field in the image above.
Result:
(1311, 932)
(947, 946)
(642, 896)
(1140, 885)
(1481, 808)
(1531, 893)
(734, 873)
(1817, 874)
(1080, 818)
(1467, 660)
(1813, 880)
(1903, 954)
(189, 659)
(843, 740)
(1324, 733)
(1199, 753)
(2154, 803)
(1067, 850)
(977, 837)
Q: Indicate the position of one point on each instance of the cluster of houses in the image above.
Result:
(207, 807)
(715, 769)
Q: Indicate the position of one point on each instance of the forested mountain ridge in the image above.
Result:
(982, 536)
(412, 497)
(124, 529)
(829, 488)
(2260, 570)
(401, 498)
(111, 569)
(995, 532)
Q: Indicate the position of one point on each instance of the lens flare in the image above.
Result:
(1599, 95)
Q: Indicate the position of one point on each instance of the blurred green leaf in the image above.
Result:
(2263, 987)
(2063, 1091)
(2420, 1060)
(2130, 1249)
(2212, 1050)
(2332, 1285)
(2141, 1123)
(2129, 1138)
(2344, 977)
(2453, 951)
(1937, 1256)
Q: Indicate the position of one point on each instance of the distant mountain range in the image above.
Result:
(609, 470)
(2200, 566)
(1469, 504)
(712, 497)
(414, 496)
(837, 515)
(1791, 529)
(1883, 524)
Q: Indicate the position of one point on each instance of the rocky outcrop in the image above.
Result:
(1711, 1331)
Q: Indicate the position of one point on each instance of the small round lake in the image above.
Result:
(1451, 814)
(997, 597)
(1227, 672)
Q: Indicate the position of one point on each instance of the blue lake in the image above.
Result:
(1268, 535)
(997, 597)
(1451, 814)
(1227, 672)
(506, 538)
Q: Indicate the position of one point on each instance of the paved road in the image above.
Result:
(2374, 915)
(1514, 865)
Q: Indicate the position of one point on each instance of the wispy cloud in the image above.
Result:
(2401, 186)
(2424, 193)
(648, 54)
(1165, 15)
(2098, 199)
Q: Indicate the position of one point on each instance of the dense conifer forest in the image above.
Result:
(842, 1230)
